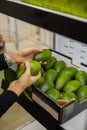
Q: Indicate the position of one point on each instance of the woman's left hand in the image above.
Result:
(19, 56)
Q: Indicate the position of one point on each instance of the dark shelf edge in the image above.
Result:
(66, 26)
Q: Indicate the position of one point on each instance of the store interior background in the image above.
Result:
(17, 35)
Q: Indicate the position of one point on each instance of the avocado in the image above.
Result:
(81, 76)
(35, 67)
(20, 71)
(72, 86)
(59, 66)
(39, 82)
(45, 86)
(50, 63)
(43, 56)
(53, 93)
(71, 71)
(62, 79)
(82, 93)
(68, 96)
(51, 75)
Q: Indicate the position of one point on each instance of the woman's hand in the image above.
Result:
(20, 56)
(18, 86)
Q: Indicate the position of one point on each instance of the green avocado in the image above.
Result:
(71, 71)
(35, 67)
(72, 86)
(53, 93)
(43, 56)
(20, 71)
(82, 93)
(39, 82)
(51, 75)
(59, 66)
(68, 96)
(45, 86)
(61, 81)
(81, 76)
(50, 63)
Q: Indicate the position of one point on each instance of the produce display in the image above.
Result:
(57, 78)
(73, 7)
(58, 81)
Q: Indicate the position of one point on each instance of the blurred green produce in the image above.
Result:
(59, 66)
(72, 86)
(53, 93)
(61, 81)
(82, 93)
(68, 96)
(51, 75)
(81, 76)
(46, 85)
(73, 7)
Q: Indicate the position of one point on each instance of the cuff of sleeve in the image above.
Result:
(3, 64)
(8, 59)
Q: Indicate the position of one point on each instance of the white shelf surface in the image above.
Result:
(79, 122)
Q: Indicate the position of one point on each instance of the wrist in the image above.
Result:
(16, 88)
(8, 59)
(12, 55)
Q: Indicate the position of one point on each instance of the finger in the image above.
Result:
(27, 65)
(29, 50)
(35, 50)
(38, 50)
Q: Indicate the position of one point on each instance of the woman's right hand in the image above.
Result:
(26, 80)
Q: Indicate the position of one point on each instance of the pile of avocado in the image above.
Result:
(58, 81)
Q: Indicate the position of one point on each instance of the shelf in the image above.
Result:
(64, 24)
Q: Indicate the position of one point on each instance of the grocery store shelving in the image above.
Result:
(67, 25)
